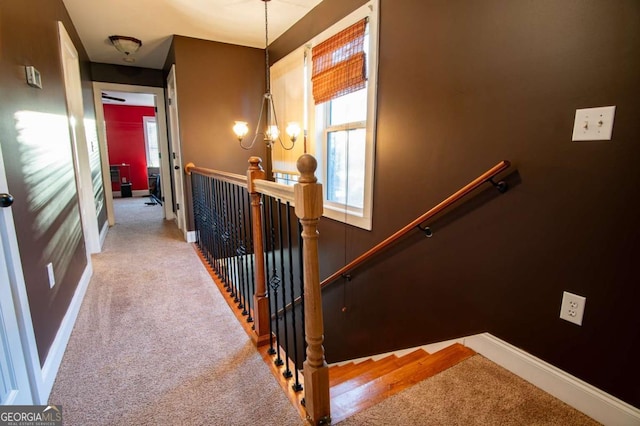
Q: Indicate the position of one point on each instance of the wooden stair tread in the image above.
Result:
(377, 370)
(354, 371)
(372, 392)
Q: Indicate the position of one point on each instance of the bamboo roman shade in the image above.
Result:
(339, 64)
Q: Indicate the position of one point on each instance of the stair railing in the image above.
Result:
(244, 231)
(486, 177)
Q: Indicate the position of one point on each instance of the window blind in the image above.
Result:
(287, 88)
(339, 64)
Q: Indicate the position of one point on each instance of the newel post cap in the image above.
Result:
(254, 172)
(307, 165)
(307, 192)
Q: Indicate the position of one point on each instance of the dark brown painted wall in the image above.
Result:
(217, 83)
(461, 86)
(122, 74)
(29, 36)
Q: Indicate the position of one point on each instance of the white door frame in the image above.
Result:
(22, 339)
(161, 119)
(176, 151)
(80, 150)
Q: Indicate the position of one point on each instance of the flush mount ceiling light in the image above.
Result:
(126, 45)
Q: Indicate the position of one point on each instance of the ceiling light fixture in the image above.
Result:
(271, 132)
(126, 45)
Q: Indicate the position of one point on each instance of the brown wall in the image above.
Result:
(29, 36)
(122, 74)
(461, 86)
(216, 84)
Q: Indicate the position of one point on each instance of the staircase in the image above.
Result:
(358, 386)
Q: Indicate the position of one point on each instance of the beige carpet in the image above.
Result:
(474, 392)
(155, 343)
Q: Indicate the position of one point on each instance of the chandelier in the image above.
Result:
(271, 131)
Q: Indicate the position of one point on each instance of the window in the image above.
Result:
(151, 141)
(338, 117)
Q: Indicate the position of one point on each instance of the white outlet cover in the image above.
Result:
(572, 307)
(593, 124)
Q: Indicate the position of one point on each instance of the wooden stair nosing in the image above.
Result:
(369, 394)
(348, 373)
(377, 371)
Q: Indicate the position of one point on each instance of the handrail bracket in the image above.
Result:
(501, 186)
(427, 231)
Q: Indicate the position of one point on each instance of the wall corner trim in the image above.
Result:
(103, 234)
(54, 358)
(584, 397)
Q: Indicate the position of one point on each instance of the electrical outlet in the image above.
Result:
(52, 278)
(572, 307)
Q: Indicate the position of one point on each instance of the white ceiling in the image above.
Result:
(155, 21)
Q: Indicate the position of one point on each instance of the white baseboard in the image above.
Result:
(191, 236)
(56, 352)
(584, 397)
(103, 233)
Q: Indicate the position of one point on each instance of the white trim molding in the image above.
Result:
(582, 396)
(56, 352)
(103, 233)
(191, 236)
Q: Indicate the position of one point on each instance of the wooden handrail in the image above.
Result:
(485, 177)
(276, 190)
(240, 180)
(266, 187)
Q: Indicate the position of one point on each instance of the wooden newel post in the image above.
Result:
(308, 201)
(260, 300)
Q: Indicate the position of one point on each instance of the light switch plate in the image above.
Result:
(33, 77)
(593, 124)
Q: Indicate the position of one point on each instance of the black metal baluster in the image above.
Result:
(232, 243)
(220, 239)
(215, 223)
(204, 234)
(287, 372)
(266, 207)
(227, 241)
(243, 252)
(239, 249)
(211, 213)
(275, 281)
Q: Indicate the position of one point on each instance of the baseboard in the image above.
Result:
(584, 397)
(103, 234)
(54, 358)
(191, 236)
(140, 192)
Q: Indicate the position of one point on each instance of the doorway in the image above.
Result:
(157, 96)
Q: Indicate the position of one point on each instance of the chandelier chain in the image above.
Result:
(266, 47)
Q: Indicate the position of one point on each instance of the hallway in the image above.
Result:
(155, 343)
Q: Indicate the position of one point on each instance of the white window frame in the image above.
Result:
(361, 218)
(146, 120)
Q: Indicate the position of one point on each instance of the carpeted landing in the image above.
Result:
(474, 392)
(156, 344)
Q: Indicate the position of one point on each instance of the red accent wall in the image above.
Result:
(125, 140)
